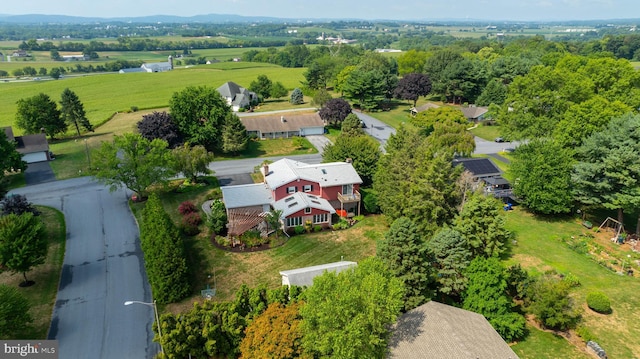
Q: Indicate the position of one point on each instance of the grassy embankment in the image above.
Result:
(42, 295)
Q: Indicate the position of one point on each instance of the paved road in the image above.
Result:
(103, 267)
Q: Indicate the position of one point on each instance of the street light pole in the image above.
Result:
(86, 148)
(155, 310)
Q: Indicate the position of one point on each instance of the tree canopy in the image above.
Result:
(38, 113)
(200, 114)
(364, 152)
(347, 315)
(14, 313)
(160, 125)
(132, 161)
(72, 111)
(191, 161)
(23, 242)
(452, 257)
(335, 110)
(412, 86)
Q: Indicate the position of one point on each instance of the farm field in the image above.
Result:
(106, 94)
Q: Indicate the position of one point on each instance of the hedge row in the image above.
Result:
(164, 254)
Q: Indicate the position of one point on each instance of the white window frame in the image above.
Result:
(294, 221)
(307, 188)
(320, 218)
(292, 189)
(307, 210)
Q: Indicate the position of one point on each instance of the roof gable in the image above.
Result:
(299, 201)
(248, 195)
(436, 330)
(229, 89)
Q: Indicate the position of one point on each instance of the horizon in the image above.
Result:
(373, 10)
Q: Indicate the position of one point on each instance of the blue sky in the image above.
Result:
(526, 10)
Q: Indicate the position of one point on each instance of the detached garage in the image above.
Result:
(33, 148)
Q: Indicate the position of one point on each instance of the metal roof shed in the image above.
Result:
(304, 276)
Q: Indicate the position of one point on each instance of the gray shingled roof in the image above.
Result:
(304, 276)
(284, 123)
(246, 195)
(229, 89)
(435, 330)
(473, 112)
(330, 174)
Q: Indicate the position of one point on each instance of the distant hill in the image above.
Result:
(209, 18)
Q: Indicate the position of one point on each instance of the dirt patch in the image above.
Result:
(527, 261)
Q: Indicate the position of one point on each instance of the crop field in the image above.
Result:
(105, 94)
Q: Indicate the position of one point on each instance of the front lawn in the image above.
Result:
(486, 132)
(42, 295)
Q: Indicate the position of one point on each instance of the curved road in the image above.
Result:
(103, 267)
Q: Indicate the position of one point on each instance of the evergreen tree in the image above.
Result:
(234, 136)
(452, 257)
(481, 223)
(297, 97)
(14, 313)
(72, 111)
(406, 255)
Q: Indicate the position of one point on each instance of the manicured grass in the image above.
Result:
(397, 114)
(42, 295)
(545, 345)
(636, 64)
(105, 94)
(540, 248)
(486, 132)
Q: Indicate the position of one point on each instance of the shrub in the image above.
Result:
(252, 238)
(299, 229)
(599, 302)
(134, 108)
(370, 201)
(217, 220)
(190, 223)
(17, 204)
(584, 333)
(317, 228)
(572, 280)
(187, 207)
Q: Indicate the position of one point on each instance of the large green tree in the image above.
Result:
(364, 151)
(486, 294)
(481, 222)
(10, 161)
(347, 315)
(191, 161)
(133, 161)
(607, 173)
(72, 111)
(14, 313)
(23, 243)
(234, 135)
(40, 113)
(261, 86)
(452, 257)
(200, 114)
(406, 254)
(367, 88)
(542, 176)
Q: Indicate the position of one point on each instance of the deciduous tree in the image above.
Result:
(364, 152)
(23, 243)
(10, 161)
(278, 90)
(200, 114)
(261, 86)
(542, 171)
(72, 111)
(347, 315)
(548, 299)
(412, 86)
(133, 161)
(406, 255)
(160, 125)
(276, 333)
(486, 294)
(37, 113)
(351, 126)
(335, 111)
(191, 161)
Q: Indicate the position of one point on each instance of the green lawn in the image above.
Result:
(106, 94)
(486, 132)
(42, 295)
(545, 345)
(540, 248)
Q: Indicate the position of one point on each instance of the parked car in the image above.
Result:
(500, 139)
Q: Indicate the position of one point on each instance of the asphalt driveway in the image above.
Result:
(39, 172)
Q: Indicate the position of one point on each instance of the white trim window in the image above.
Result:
(307, 188)
(294, 221)
(307, 210)
(321, 218)
(291, 189)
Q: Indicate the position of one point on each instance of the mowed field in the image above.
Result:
(106, 94)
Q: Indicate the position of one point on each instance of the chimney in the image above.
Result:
(282, 119)
(348, 160)
(265, 171)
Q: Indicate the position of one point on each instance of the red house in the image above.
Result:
(304, 193)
